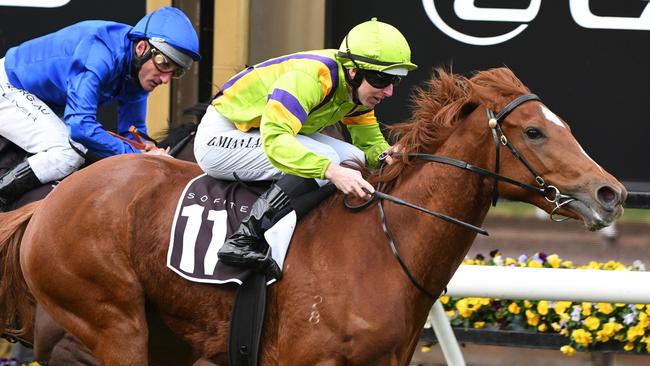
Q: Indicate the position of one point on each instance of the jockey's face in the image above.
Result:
(149, 75)
(370, 96)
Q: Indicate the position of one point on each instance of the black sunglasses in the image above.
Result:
(380, 80)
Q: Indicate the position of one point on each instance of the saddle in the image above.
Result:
(10, 156)
(208, 212)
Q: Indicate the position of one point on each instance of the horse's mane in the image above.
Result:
(176, 134)
(439, 105)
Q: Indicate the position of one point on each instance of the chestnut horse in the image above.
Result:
(93, 253)
(51, 343)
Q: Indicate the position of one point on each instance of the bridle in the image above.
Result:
(551, 193)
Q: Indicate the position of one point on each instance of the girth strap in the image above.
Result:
(247, 321)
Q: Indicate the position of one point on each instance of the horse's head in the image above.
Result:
(556, 161)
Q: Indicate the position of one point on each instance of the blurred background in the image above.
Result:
(586, 59)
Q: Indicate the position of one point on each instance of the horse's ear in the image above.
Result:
(178, 133)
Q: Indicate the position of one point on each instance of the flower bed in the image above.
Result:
(583, 325)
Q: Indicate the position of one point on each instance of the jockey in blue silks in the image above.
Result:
(52, 86)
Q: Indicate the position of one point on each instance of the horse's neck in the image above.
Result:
(433, 247)
(331, 246)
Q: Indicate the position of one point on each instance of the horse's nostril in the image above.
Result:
(607, 195)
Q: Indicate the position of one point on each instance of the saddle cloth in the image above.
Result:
(208, 212)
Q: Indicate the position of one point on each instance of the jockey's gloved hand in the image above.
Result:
(348, 181)
(388, 158)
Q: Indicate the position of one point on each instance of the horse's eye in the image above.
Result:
(533, 133)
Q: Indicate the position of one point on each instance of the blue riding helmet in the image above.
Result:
(170, 31)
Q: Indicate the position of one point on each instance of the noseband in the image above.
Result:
(551, 193)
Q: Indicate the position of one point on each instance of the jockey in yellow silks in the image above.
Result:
(264, 125)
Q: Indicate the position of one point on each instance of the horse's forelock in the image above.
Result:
(495, 87)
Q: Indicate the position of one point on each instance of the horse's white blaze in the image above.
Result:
(556, 120)
(592, 160)
(552, 117)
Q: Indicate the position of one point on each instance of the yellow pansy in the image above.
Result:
(620, 337)
(534, 264)
(510, 261)
(542, 328)
(450, 313)
(634, 332)
(646, 340)
(533, 318)
(565, 317)
(542, 307)
(567, 264)
(568, 350)
(463, 308)
(605, 308)
(556, 326)
(608, 331)
(629, 346)
(475, 303)
(593, 265)
(581, 337)
(514, 308)
(592, 323)
(644, 320)
(561, 306)
(614, 266)
(586, 308)
(554, 261)
(444, 300)
(425, 349)
(479, 325)
(602, 336)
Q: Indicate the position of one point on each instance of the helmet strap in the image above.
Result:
(354, 84)
(356, 81)
(138, 61)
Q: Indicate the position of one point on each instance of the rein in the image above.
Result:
(551, 193)
(137, 135)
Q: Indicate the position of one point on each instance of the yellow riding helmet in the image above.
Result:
(377, 46)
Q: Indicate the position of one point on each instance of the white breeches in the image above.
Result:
(221, 150)
(29, 123)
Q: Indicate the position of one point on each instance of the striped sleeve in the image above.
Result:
(366, 135)
(292, 97)
(361, 117)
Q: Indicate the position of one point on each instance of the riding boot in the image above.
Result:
(247, 246)
(16, 182)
